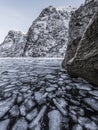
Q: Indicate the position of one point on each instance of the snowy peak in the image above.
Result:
(60, 11)
(68, 9)
(48, 34)
(65, 13)
(13, 44)
(46, 37)
(13, 36)
(48, 11)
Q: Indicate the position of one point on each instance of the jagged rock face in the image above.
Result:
(85, 61)
(48, 36)
(49, 33)
(78, 23)
(13, 45)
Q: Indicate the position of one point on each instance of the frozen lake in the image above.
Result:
(37, 94)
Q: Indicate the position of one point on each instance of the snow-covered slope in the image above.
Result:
(47, 36)
(13, 45)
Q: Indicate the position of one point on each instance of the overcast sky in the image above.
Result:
(19, 14)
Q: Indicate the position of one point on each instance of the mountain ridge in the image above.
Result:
(46, 37)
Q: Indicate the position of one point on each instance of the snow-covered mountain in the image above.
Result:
(13, 45)
(47, 36)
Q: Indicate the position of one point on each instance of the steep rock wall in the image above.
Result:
(77, 26)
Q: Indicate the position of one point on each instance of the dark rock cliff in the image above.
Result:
(77, 26)
(82, 53)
